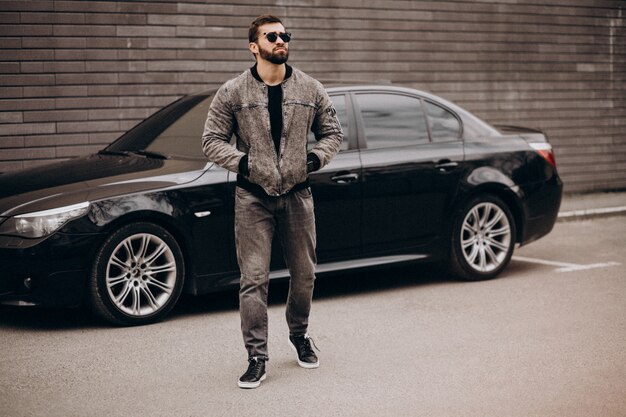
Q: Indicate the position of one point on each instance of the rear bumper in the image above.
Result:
(541, 208)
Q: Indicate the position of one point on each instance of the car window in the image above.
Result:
(339, 102)
(392, 120)
(443, 125)
(183, 137)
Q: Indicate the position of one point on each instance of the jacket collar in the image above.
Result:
(255, 73)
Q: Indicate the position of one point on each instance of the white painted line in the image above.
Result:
(565, 266)
(592, 212)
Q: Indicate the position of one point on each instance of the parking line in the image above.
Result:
(565, 266)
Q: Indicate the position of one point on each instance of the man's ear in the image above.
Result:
(254, 48)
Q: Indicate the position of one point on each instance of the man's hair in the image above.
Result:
(264, 19)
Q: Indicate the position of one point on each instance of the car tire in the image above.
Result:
(483, 238)
(137, 275)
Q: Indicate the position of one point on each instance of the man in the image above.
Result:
(270, 109)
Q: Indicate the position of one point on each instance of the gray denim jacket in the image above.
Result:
(240, 108)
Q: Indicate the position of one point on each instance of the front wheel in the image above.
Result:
(483, 238)
(137, 275)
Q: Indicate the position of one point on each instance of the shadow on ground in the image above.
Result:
(345, 284)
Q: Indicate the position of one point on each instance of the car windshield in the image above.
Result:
(176, 130)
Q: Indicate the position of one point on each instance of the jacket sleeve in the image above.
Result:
(218, 130)
(327, 129)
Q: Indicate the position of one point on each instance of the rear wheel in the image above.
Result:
(483, 238)
(137, 275)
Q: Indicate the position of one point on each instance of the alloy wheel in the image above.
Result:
(486, 237)
(141, 274)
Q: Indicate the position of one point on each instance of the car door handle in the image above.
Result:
(345, 178)
(446, 165)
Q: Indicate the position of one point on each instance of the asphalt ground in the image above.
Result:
(547, 338)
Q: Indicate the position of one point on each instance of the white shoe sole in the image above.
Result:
(249, 385)
(305, 365)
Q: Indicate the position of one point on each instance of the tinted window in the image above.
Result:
(392, 120)
(443, 125)
(184, 136)
(339, 102)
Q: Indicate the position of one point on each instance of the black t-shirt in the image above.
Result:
(275, 106)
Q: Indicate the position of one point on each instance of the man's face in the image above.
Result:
(275, 52)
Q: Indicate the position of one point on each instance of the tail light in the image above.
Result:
(545, 150)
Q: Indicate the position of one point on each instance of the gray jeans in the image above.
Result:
(256, 219)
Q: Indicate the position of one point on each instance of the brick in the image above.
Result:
(9, 67)
(26, 55)
(82, 79)
(11, 92)
(84, 30)
(175, 19)
(17, 154)
(40, 5)
(106, 90)
(10, 43)
(85, 6)
(86, 103)
(56, 115)
(148, 101)
(115, 19)
(12, 142)
(177, 66)
(55, 18)
(55, 140)
(147, 78)
(117, 42)
(9, 18)
(55, 91)
(147, 7)
(56, 42)
(157, 54)
(99, 126)
(15, 80)
(210, 32)
(61, 67)
(115, 66)
(11, 117)
(25, 30)
(177, 43)
(86, 55)
(118, 114)
(26, 129)
(31, 67)
(214, 55)
(143, 31)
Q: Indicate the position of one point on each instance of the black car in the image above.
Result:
(128, 229)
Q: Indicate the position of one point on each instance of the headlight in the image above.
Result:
(42, 223)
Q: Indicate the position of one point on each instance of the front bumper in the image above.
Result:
(53, 273)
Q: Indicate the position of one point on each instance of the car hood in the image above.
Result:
(91, 178)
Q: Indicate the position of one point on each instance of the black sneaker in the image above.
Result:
(302, 345)
(254, 375)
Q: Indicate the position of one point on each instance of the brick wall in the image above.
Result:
(74, 75)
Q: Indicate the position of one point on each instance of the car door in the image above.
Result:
(410, 152)
(336, 192)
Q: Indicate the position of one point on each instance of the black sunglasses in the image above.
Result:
(273, 36)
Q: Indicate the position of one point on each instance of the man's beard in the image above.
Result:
(279, 57)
